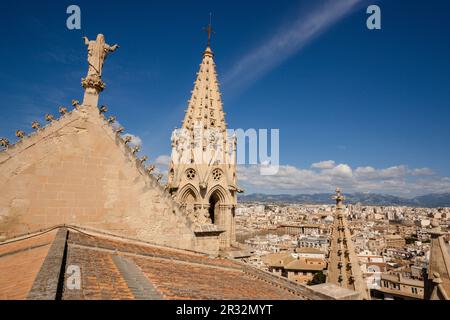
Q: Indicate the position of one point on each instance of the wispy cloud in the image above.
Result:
(288, 40)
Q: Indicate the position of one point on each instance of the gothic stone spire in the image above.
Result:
(343, 265)
(205, 105)
(202, 173)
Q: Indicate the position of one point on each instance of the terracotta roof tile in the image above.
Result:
(185, 281)
(100, 279)
(175, 274)
(20, 262)
(115, 268)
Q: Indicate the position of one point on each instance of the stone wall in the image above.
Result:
(78, 171)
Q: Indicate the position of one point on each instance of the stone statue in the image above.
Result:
(98, 50)
(97, 53)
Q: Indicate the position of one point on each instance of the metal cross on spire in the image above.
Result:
(209, 30)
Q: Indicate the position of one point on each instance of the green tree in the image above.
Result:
(318, 278)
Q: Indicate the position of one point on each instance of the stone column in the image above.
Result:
(92, 85)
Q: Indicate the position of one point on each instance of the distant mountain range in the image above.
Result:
(429, 200)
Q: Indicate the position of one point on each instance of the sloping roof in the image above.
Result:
(279, 259)
(20, 262)
(304, 265)
(309, 250)
(116, 268)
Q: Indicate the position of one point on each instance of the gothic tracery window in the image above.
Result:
(190, 174)
(217, 174)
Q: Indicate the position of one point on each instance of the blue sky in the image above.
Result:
(368, 110)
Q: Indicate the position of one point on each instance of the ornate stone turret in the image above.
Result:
(343, 267)
(437, 281)
(202, 173)
(93, 84)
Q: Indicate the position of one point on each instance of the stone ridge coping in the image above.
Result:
(36, 136)
(399, 293)
(140, 286)
(87, 112)
(208, 229)
(307, 292)
(32, 247)
(445, 254)
(47, 284)
(141, 168)
(93, 232)
(153, 257)
(29, 235)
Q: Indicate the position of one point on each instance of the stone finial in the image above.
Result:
(62, 110)
(20, 134)
(111, 119)
(136, 150)
(143, 159)
(127, 139)
(49, 118)
(35, 125)
(75, 103)
(435, 223)
(437, 278)
(339, 199)
(150, 168)
(103, 109)
(120, 130)
(4, 142)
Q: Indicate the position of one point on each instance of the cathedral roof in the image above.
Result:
(118, 268)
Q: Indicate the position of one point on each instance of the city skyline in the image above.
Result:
(374, 122)
(275, 151)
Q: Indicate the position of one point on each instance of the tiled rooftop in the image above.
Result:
(117, 268)
(20, 262)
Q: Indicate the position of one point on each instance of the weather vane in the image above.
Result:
(209, 30)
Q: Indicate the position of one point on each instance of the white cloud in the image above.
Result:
(341, 170)
(422, 172)
(162, 165)
(364, 170)
(396, 180)
(328, 164)
(386, 173)
(162, 160)
(116, 125)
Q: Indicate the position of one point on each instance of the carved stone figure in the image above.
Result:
(4, 142)
(62, 110)
(20, 134)
(97, 52)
